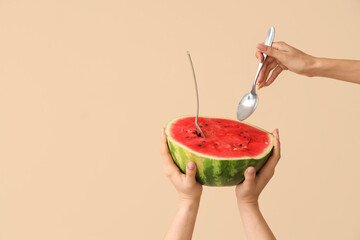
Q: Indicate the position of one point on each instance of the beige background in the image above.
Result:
(86, 85)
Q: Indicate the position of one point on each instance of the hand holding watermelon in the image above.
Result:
(189, 192)
(248, 192)
(188, 188)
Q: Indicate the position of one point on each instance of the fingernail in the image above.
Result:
(191, 165)
(251, 170)
(277, 131)
(261, 47)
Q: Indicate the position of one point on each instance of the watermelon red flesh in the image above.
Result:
(228, 149)
(224, 138)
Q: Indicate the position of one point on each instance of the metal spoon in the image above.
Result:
(249, 101)
(198, 129)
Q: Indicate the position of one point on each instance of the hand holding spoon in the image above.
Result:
(249, 101)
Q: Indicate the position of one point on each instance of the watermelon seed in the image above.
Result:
(204, 141)
(206, 124)
(241, 132)
(218, 121)
(240, 145)
(187, 137)
(266, 143)
(197, 134)
(244, 136)
(247, 149)
(216, 144)
(235, 149)
(199, 145)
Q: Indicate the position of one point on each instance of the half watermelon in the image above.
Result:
(228, 149)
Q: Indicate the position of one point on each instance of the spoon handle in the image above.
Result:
(257, 75)
(268, 42)
(269, 38)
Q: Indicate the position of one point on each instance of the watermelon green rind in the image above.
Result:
(214, 171)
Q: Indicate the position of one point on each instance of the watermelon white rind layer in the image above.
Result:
(216, 171)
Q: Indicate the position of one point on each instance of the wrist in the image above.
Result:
(189, 208)
(248, 206)
(189, 203)
(314, 66)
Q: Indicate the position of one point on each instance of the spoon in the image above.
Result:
(198, 129)
(249, 101)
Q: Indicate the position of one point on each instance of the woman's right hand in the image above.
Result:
(280, 57)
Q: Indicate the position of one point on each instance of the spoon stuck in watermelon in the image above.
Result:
(198, 129)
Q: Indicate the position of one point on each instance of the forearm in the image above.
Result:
(182, 226)
(254, 223)
(346, 70)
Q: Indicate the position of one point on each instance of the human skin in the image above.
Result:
(248, 192)
(282, 56)
(189, 191)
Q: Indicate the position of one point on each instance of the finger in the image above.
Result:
(170, 167)
(249, 177)
(262, 75)
(190, 173)
(274, 74)
(269, 68)
(282, 46)
(259, 56)
(270, 65)
(275, 156)
(283, 66)
(272, 51)
(267, 171)
(261, 78)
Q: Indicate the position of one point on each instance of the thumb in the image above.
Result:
(272, 52)
(190, 173)
(250, 176)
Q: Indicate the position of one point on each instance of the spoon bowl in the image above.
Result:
(247, 105)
